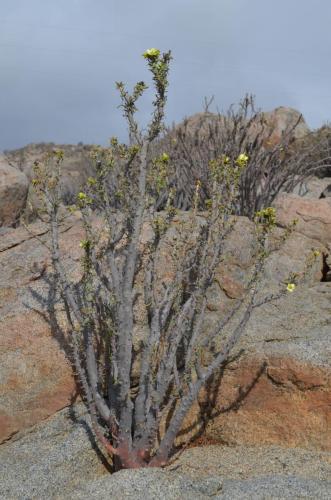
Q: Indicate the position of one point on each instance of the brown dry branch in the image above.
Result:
(272, 167)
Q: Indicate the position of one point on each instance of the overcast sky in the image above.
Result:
(59, 60)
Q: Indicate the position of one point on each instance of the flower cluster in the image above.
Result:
(151, 54)
(165, 157)
(159, 174)
(85, 244)
(266, 217)
(242, 160)
(83, 200)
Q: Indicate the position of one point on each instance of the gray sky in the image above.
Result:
(59, 60)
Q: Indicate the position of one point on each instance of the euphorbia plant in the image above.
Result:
(131, 385)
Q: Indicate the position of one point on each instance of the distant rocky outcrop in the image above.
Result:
(277, 122)
(314, 187)
(285, 120)
(13, 193)
(279, 144)
(17, 195)
(77, 166)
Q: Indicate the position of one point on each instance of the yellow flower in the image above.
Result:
(151, 54)
(291, 287)
(316, 253)
(165, 157)
(114, 141)
(242, 160)
(81, 196)
(267, 216)
(91, 181)
(58, 153)
(85, 244)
